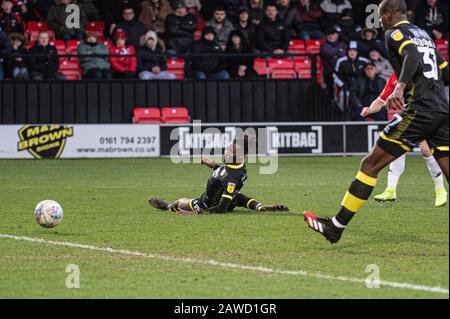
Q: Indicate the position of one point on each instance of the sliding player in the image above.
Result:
(397, 167)
(422, 76)
(223, 188)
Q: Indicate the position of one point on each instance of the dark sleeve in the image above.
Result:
(260, 40)
(191, 26)
(405, 47)
(230, 191)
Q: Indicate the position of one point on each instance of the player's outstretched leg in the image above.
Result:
(252, 204)
(396, 169)
(358, 193)
(436, 174)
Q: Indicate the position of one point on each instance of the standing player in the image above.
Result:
(422, 75)
(223, 188)
(397, 167)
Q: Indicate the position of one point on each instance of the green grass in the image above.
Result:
(105, 204)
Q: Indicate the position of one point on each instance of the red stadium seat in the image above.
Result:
(297, 46)
(72, 75)
(147, 116)
(96, 27)
(72, 45)
(260, 66)
(176, 66)
(302, 63)
(70, 65)
(36, 26)
(284, 74)
(277, 64)
(175, 115)
(442, 46)
(313, 46)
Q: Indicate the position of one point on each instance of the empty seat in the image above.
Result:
(69, 65)
(297, 46)
(284, 74)
(96, 27)
(72, 75)
(147, 116)
(277, 64)
(175, 115)
(313, 46)
(72, 45)
(176, 66)
(260, 66)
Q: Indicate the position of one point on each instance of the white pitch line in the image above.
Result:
(211, 262)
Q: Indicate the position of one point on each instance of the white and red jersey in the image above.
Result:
(126, 62)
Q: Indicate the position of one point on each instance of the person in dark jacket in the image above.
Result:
(180, 29)
(5, 49)
(350, 67)
(330, 52)
(95, 68)
(134, 29)
(239, 66)
(369, 39)
(10, 21)
(43, 63)
(349, 30)
(308, 17)
(210, 66)
(57, 18)
(433, 18)
(256, 8)
(364, 91)
(232, 7)
(271, 35)
(151, 63)
(245, 25)
(111, 11)
(16, 63)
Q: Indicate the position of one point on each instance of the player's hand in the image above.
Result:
(207, 162)
(366, 112)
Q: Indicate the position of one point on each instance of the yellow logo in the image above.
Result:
(397, 35)
(231, 187)
(44, 141)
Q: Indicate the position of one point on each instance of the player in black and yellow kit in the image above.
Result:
(223, 189)
(422, 76)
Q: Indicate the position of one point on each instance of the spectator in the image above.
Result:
(10, 22)
(152, 64)
(383, 65)
(364, 91)
(16, 66)
(124, 61)
(239, 66)
(309, 14)
(271, 34)
(369, 39)
(193, 6)
(246, 26)
(56, 21)
(433, 18)
(154, 14)
(350, 67)
(134, 29)
(89, 6)
(221, 25)
(24, 8)
(287, 14)
(232, 8)
(256, 11)
(95, 68)
(43, 6)
(43, 63)
(111, 11)
(349, 30)
(209, 66)
(208, 7)
(330, 52)
(5, 49)
(332, 10)
(180, 29)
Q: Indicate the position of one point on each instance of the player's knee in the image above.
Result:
(368, 166)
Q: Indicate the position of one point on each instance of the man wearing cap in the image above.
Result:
(96, 67)
(349, 30)
(123, 57)
(210, 65)
(332, 50)
(364, 90)
(350, 67)
(180, 29)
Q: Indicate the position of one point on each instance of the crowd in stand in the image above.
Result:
(145, 32)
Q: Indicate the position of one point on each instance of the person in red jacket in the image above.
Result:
(397, 167)
(125, 65)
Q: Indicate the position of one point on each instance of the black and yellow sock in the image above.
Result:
(247, 202)
(253, 204)
(356, 196)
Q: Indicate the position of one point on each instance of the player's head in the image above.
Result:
(236, 151)
(392, 11)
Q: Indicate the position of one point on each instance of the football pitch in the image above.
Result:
(125, 249)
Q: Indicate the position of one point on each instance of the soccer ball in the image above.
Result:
(48, 213)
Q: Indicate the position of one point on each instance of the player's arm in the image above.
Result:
(380, 101)
(210, 164)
